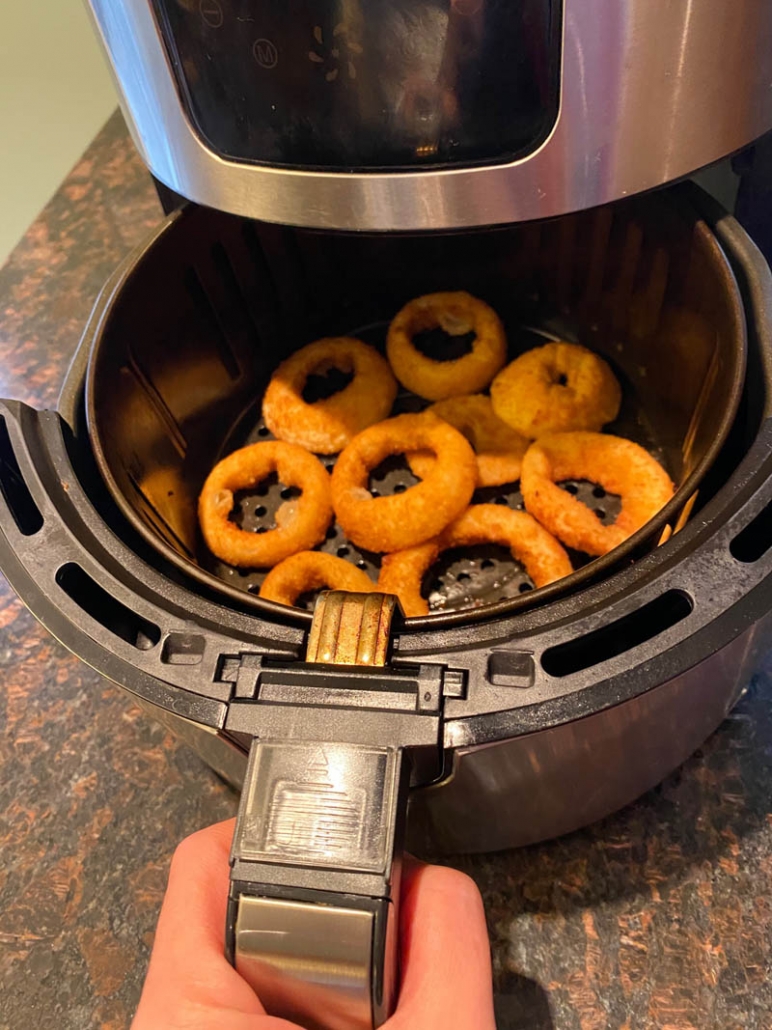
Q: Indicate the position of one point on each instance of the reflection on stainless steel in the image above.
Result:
(650, 92)
(220, 753)
(420, 100)
(541, 785)
(311, 963)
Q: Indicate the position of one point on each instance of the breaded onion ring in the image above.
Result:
(326, 426)
(557, 388)
(302, 523)
(457, 314)
(499, 449)
(619, 466)
(423, 510)
(313, 570)
(539, 552)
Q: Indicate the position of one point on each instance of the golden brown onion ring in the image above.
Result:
(301, 524)
(560, 387)
(619, 466)
(499, 449)
(423, 510)
(313, 570)
(326, 426)
(457, 314)
(537, 550)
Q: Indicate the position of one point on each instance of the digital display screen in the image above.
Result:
(366, 84)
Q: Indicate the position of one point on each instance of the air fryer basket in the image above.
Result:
(189, 342)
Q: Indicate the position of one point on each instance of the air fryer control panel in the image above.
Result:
(366, 84)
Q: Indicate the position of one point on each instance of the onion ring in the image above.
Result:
(326, 426)
(499, 449)
(423, 510)
(312, 570)
(557, 388)
(457, 314)
(619, 466)
(302, 523)
(539, 552)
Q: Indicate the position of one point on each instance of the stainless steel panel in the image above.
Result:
(651, 91)
(521, 790)
(535, 787)
(306, 960)
(221, 754)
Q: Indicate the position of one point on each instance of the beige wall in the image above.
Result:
(55, 93)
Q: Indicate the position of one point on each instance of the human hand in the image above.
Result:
(190, 985)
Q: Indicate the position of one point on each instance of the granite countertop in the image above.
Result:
(658, 917)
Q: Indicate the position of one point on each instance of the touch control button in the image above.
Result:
(211, 12)
(265, 53)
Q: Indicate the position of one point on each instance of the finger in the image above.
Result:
(189, 982)
(445, 954)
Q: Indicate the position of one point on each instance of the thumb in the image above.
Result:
(445, 954)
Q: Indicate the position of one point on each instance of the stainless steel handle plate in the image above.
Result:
(307, 960)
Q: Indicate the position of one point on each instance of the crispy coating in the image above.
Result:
(302, 523)
(560, 387)
(456, 313)
(326, 426)
(499, 449)
(422, 511)
(619, 466)
(313, 570)
(539, 552)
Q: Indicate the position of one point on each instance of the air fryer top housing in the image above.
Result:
(426, 114)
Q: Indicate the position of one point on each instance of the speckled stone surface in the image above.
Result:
(659, 917)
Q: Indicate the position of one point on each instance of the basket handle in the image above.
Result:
(316, 857)
(313, 928)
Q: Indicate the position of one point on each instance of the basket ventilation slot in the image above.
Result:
(755, 540)
(20, 501)
(618, 637)
(108, 611)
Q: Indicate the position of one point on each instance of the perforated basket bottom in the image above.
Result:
(458, 580)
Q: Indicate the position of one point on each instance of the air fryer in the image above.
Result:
(346, 159)
(500, 724)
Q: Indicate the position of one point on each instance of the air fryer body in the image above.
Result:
(551, 717)
(383, 124)
(539, 785)
(427, 114)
